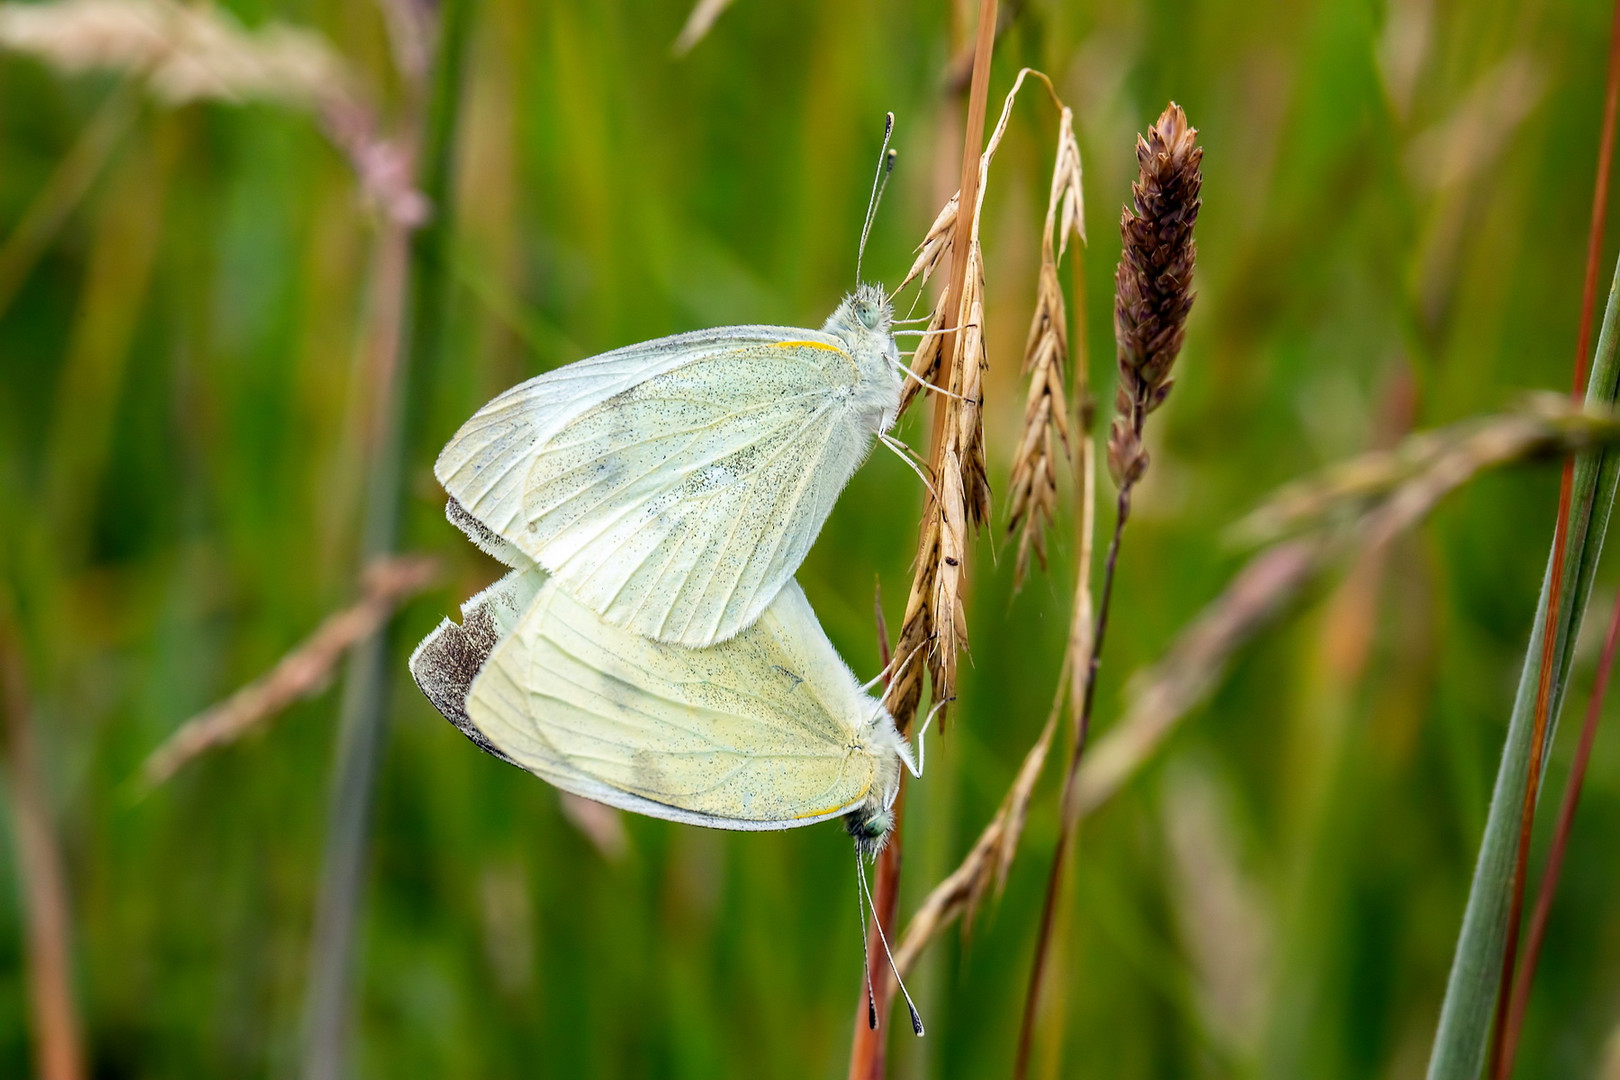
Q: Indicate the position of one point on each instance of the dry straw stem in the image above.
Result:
(54, 1018)
(991, 857)
(1032, 491)
(1389, 489)
(935, 609)
(698, 24)
(304, 671)
(987, 863)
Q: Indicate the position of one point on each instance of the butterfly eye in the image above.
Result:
(868, 316)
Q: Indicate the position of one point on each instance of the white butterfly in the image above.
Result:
(767, 730)
(674, 486)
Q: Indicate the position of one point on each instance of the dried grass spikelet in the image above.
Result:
(186, 52)
(950, 616)
(931, 254)
(1153, 285)
(904, 692)
(935, 613)
(1032, 491)
(936, 244)
(930, 352)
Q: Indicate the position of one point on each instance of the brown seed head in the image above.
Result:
(1153, 286)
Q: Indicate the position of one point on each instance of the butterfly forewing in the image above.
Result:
(679, 507)
(674, 498)
(485, 464)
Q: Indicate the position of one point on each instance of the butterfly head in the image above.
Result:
(869, 825)
(864, 322)
(865, 314)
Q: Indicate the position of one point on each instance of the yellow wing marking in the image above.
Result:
(809, 345)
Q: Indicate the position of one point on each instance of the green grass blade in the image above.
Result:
(1461, 1039)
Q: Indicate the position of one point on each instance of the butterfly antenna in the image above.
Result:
(916, 1019)
(886, 160)
(866, 963)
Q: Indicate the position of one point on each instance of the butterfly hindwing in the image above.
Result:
(759, 732)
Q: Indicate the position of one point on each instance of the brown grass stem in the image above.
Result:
(1560, 842)
(1502, 1060)
(902, 696)
(54, 1019)
(866, 1055)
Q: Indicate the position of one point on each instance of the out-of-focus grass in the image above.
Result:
(1392, 192)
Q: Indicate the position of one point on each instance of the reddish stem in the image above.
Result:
(1509, 1017)
(58, 1047)
(867, 1051)
(1555, 856)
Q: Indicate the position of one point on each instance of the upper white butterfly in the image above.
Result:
(675, 486)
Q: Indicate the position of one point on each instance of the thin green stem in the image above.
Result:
(1463, 1034)
(410, 295)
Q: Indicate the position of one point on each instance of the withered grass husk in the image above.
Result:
(1032, 489)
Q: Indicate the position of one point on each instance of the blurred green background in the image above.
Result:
(1395, 209)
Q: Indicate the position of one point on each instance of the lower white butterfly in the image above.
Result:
(767, 730)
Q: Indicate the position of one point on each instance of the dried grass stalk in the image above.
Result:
(698, 24)
(304, 671)
(958, 458)
(187, 52)
(56, 1029)
(1032, 491)
(1153, 294)
(986, 865)
(1393, 488)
